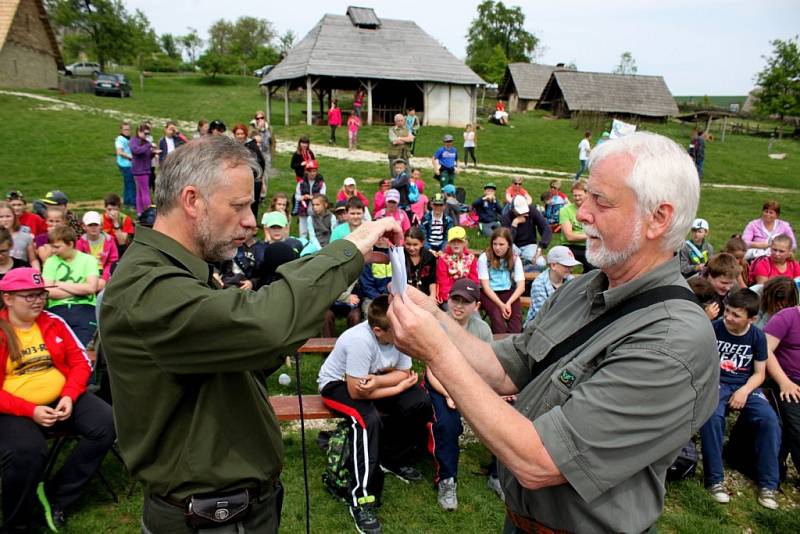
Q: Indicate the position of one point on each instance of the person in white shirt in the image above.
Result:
(584, 147)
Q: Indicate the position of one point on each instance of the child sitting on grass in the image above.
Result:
(455, 262)
(743, 362)
(695, 251)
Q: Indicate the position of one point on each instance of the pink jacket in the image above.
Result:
(755, 232)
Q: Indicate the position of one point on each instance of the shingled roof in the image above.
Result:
(395, 50)
(612, 93)
(8, 11)
(529, 79)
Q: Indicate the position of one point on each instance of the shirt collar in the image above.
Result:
(603, 298)
(163, 243)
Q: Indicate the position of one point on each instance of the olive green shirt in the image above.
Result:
(186, 359)
(614, 413)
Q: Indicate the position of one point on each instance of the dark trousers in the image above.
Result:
(161, 517)
(340, 309)
(580, 254)
(790, 413)
(445, 430)
(499, 324)
(128, 187)
(80, 317)
(446, 176)
(333, 133)
(758, 413)
(469, 151)
(385, 431)
(23, 455)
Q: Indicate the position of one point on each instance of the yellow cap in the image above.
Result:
(456, 232)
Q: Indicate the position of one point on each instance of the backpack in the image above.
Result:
(413, 192)
(685, 464)
(336, 476)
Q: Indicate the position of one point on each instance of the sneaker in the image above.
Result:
(719, 494)
(365, 519)
(448, 499)
(405, 473)
(59, 518)
(767, 498)
(494, 485)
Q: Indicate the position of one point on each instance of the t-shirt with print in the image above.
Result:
(737, 353)
(500, 279)
(33, 378)
(447, 157)
(358, 353)
(785, 325)
(77, 270)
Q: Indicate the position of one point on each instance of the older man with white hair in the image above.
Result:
(400, 141)
(616, 372)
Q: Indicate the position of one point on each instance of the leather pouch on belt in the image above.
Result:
(216, 510)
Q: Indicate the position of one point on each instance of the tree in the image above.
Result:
(286, 42)
(498, 26)
(780, 80)
(234, 46)
(191, 43)
(169, 45)
(627, 65)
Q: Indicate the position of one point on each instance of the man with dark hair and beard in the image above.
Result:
(184, 357)
(614, 374)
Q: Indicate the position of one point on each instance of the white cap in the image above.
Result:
(563, 256)
(349, 181)
(92, 217)
(700, 224)
(521, 205)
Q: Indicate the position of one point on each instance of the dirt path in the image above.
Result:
(501, 171)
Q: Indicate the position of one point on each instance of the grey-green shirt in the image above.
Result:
(186, 361)
(613, 414)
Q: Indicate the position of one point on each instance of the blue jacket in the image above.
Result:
(427, 221)
(374, 280)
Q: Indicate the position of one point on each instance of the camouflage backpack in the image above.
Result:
(336, 476)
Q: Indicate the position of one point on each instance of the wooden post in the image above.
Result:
(724, 127)
(369, 102)
(308, 100)
(269, 104)
(286, 103)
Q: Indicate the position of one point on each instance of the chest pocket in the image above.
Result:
(563, 379)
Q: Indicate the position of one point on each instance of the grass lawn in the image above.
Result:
(49, 148)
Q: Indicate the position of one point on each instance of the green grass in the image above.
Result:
(717, 101)
(73, 151)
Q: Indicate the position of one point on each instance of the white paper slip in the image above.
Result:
(397, 257)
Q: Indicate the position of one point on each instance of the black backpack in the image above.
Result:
(685, 464)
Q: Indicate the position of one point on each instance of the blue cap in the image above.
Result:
(449, 189)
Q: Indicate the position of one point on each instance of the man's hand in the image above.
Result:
(64, 408)
(44, 416)
(416, 331)
(738, 399)
(519, 219)
(790, 392)
(422, 300)
(365, 236)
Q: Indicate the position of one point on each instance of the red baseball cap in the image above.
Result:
(312, 164)
(22, 279)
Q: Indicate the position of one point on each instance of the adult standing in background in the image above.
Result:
(358, 101)
(267, 144)
(412, 123)
(584, 147)
(182, 353)
(400, 141)
(172, 139)
(334, 119)
(124, 162)
(240, 134)
(143, 152)
(599, 418)
(697, 150)
(302, 157)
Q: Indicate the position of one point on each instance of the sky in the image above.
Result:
(700, 47)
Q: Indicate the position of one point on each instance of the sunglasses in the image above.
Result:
(259, 117)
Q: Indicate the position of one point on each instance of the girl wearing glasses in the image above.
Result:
(43, 374)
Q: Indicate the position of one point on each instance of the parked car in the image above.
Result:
(112, 84)
(263, 71)
(82, 69)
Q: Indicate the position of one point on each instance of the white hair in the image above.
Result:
(662, 172)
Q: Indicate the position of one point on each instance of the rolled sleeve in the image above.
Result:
(633, 411)
(513, 359)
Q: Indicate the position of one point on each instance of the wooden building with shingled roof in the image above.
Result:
(619, 95)
(523, 84)
(395, 61)
(29, 53)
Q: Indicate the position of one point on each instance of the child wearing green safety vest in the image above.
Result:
(695, 251)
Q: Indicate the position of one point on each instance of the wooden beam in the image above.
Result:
(724, 126)
(269, 105)
(286, 103)
(309, 88)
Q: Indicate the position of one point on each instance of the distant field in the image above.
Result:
(717, 101)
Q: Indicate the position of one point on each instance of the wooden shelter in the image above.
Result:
(29, 54)
(523, 84)
(395, 61)
(621, 95)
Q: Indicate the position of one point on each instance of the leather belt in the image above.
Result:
(531, 526)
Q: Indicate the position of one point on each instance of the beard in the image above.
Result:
(214, 248)
(601, 257)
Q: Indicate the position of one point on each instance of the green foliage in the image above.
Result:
(627, 65)
(214, 63)
(242, 45)
(498, 26)
(286, 42)
(779, 82)
(191, 44)
(169, 45)
(161, 62)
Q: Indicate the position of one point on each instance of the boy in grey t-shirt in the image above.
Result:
(368, 381)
